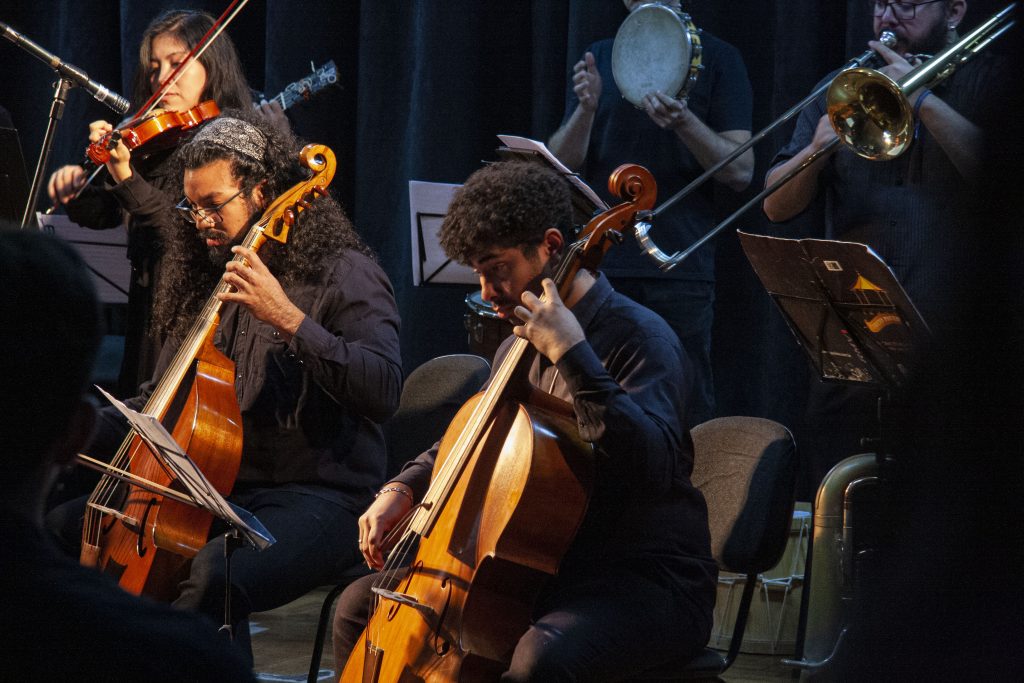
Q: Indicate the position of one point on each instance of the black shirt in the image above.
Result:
(310, 406)
(721, 98)
(624, 384)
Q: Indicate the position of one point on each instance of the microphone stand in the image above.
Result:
(60, 96)
(68, 77)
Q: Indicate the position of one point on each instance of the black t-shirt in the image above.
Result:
(721, 98)
(912, 210)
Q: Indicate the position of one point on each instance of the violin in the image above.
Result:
(509, 489)
(153, 133)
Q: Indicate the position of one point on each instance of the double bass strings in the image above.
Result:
(413, 524)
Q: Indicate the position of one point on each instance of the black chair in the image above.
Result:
(746, 469)
(431, 396)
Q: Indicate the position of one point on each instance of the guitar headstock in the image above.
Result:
(304, 88)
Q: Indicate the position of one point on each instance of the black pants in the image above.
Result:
(600, 629)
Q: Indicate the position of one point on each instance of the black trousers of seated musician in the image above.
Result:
(605, 628)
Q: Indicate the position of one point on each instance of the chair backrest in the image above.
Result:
(431, 396)
(746, 469)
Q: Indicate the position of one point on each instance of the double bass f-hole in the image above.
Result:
(140, 543)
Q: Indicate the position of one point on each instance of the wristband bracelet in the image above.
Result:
(917, 112)
(920, 98)
(396, 489)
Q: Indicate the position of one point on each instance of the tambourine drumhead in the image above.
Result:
(656, 48)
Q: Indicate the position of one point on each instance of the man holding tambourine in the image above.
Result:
(676, 123)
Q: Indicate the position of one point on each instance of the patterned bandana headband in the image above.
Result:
(234, 134)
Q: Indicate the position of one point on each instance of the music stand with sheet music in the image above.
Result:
(585, 202)
(13, 177)
(244, 527)
(843, 304)
(428, 204)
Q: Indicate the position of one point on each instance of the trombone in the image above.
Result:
(868, 110)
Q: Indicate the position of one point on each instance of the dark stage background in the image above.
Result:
(426, 86)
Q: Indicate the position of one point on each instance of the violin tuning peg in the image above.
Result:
(289, 217)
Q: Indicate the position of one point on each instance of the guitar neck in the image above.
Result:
(304, 88)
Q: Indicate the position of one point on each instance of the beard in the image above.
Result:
(220, 254)
(934, 42)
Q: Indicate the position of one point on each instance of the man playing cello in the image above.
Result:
(637, 583)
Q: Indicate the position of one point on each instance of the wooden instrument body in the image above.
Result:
(500, 536)
(148, 548)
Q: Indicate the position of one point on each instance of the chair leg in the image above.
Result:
(321, 631)
(741, 621)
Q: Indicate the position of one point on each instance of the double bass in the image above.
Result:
(132, 532)
(508, 492)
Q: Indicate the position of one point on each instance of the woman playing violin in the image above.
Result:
(140, 185)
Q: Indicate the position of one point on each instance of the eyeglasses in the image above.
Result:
(200, 215)
(900, 10)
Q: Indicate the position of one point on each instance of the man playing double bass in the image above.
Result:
(312, 329)
(636, 586)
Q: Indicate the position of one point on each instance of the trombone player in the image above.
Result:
(911, 210)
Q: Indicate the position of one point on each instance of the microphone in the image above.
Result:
(99, 91)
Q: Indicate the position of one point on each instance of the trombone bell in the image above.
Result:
(870, 113)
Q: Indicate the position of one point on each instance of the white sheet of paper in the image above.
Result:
(428, 204)
(526, 144)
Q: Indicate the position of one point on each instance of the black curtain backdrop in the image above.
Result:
(424, 88)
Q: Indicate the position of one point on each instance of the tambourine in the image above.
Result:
(656, 49)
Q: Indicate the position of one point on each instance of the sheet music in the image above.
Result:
(428, 204)
(517, 143)
(169, 452)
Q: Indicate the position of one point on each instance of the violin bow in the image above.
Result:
(214, 31)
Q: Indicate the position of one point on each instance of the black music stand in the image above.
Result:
(13, 177)
(852, 317)
(843, 304)
(243, 525)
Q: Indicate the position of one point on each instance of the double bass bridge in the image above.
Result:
(407, 600)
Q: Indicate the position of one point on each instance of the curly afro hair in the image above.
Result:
(506, 204)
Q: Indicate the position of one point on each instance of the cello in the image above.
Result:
(487, 541)
(144, 539)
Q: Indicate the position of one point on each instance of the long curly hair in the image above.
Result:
(507, 204)
(188, 276)
(225, 80)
